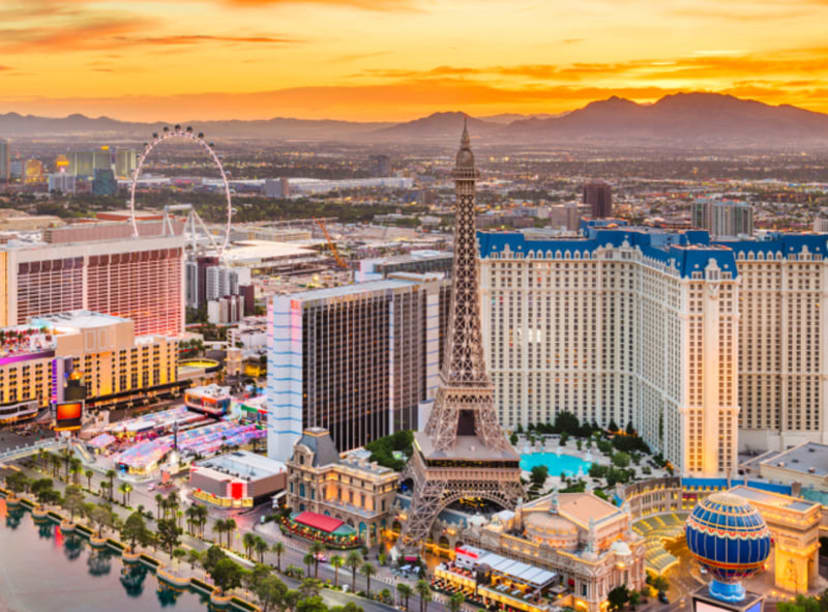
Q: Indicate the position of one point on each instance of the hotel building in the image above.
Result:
(356, 360)
(621, 325)
(113, 366)
(689, 339)
(136, 278)
(783, 322)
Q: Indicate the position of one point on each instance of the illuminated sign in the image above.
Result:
(68, 416)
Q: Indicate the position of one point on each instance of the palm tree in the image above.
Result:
(354, 560)
(368, 570)
(231, 527)
(172, 503)
(278, 548)
(455, 602)
(424, 591)
(337, 562)
(191, 513)
(308, 561)
(75, 467)
(159, 500)
(66, 454)
(125, 489)
(89, 473)
(405, 592)
(316, 549)
(201, 519)
(110, 475)
(247, 542)
(219, 527)
(261, 548)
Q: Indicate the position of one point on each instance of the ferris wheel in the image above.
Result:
(184, 134)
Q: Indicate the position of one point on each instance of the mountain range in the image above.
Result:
(684, 119)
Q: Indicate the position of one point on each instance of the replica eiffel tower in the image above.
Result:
(463, 451)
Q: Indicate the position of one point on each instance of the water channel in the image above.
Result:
(45, 570)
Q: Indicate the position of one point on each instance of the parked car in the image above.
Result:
(663, 598)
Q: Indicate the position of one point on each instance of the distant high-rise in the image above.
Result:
(356, 360)
(84, 163)
(381, 165)
(5, 162)
(126, 160)
(62, 182)
(723, 218)
(33, 171)
(104, 183)
(598, 196)
(139, 279)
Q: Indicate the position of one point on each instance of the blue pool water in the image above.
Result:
(555, 463)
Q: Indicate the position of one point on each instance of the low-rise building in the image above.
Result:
(348, 487)
(585, 539)
(806, 464)
(237, 480)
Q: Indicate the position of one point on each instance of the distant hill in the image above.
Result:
(437, 126)
(684, 119)
(680, 119)
(280, 128)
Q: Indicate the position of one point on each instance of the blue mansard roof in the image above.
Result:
(686, 252)
(781, 243)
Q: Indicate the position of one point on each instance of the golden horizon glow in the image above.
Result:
(394, 60)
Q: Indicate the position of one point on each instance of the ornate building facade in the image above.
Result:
(348, 487)
(585, 539)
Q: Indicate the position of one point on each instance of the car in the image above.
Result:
(151, 487)
(663, 598)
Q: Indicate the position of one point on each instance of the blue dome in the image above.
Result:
(728, 536)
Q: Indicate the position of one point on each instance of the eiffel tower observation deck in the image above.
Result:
(463, 451)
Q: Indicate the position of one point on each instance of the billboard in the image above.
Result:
(68, 416)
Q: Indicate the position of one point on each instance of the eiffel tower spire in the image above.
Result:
(463, 451)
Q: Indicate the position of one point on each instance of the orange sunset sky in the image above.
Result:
(399, 59)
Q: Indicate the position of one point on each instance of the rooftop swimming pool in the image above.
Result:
(556, 463)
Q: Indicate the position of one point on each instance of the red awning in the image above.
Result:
(318, 521)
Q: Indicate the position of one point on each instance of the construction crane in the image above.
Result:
(339, 261)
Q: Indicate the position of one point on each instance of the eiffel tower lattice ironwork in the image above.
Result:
(463, 451)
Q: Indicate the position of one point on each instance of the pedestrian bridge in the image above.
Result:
(18, 452)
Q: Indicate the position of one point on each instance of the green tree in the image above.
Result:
(231, 526)
(337, 562)
(353, 560)
(404, 591)
(261, 547)
(424, 592)
(102, 516)
(618, 598)
(247, 541)
(310, 587)
(621, 459)
(278, 548)
(539, 474)
(159, 501)
(316, 549)
(660, 584)
(178, 554)
(89, 473)
(368, 570)
(455, 602)
(227, 574)
(270, 591)
(134, 529)
(513, 439)
(125, 488)
(211, 557)
(110, 476)
(73, 501)
(308, 561)
(311, 604)
(169, 534)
